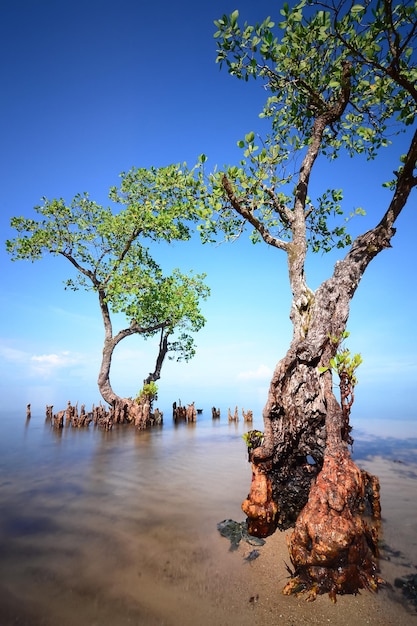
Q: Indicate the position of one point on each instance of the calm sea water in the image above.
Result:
(120, 527)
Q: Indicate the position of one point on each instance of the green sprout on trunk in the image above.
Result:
(148, 392)
(343, 364)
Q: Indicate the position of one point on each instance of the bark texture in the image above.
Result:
(124, 410)
(332, 548)
(304, 466)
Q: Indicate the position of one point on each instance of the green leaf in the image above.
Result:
(234, 17)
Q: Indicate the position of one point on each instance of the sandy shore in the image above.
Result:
(398, 559)
(269, 577)
(204, 587)
(185, 584)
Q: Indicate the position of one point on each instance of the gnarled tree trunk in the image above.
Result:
(303, 474)
(332, 547)
(125, 409)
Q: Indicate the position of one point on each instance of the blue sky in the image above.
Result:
(91, 88)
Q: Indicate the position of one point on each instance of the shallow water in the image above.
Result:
(120, 528)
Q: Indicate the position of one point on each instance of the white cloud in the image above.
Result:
(56, 360)
(263, 372)
(22, 363)
(46, 364)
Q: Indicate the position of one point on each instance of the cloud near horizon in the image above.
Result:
(263, 372)
(46, 364)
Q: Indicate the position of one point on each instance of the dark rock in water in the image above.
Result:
(237, 532)
(252, 555)
(408, 585)
(231, 530)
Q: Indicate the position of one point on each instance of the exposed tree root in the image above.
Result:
(259, 506)
(123, 410)
(332, 548)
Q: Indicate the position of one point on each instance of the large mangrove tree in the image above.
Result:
(340, 77)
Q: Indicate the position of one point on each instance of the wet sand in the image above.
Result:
(118, 529)
(191, 584)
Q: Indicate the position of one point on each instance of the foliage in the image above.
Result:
(148, 392)
(109, 248)
(253, 439)
(342, 75)
(343, 364)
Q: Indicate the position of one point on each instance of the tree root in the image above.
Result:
(123, 410)
(259, 506)
(332, 548)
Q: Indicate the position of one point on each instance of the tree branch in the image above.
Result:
(284, 213)
(135, 234)
(247, 215)
(80, 268)
(366, 246)
(405, 183)
(135, 329)
(331, 115)
(163, 349)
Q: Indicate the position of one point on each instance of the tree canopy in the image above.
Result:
(339, 77)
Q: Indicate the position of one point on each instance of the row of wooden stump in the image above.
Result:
(105, 418)
(189, 413)
(99, 416)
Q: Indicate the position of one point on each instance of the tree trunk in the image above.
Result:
(126, 409)
(294, 441)
(332, 548)
(123, 409)
(303, 474)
